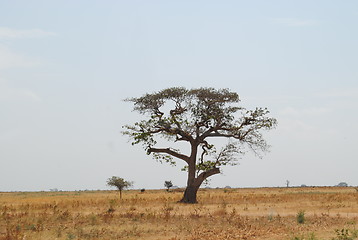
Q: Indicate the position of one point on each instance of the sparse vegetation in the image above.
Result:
(345, 234)
(261, 214)
(300, 217)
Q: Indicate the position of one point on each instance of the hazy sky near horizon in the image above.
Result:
(66, 66)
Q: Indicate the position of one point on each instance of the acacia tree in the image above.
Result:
(119, 183)
(196, 116)
(168, 184)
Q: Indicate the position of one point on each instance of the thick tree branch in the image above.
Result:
(170, 152)
(240, 135)
(209, 131)
(204, 175)
(168, 129)
(236, 136)
(183, 134)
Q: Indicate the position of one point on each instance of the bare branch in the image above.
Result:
(170, 152)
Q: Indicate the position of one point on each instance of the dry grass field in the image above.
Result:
(328, 213)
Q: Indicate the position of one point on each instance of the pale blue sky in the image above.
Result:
(66, 66)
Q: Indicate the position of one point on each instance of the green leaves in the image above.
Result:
(119, 183)
(195, 116)
(160, 157)
(228, 155)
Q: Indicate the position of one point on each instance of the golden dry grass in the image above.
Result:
(266, 213)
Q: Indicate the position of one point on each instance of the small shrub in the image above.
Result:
(70, 236)
(345, 234)
(300, 217)
(30, 227)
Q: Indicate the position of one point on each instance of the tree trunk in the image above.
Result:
(190, 194)
(194, 184)
(191, 186)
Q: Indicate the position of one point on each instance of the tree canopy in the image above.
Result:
(197, 116)
(119, 183)
(168, 184)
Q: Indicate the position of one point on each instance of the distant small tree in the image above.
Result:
(287, 183)
(119, 183)
(342, 184)
(168, 184)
